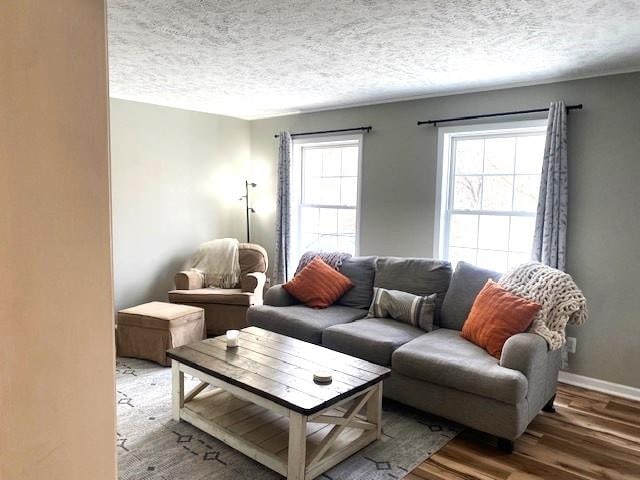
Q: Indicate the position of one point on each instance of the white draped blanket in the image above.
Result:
(561, 299)
(218, 260)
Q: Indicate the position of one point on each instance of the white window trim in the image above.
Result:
(444, 173)
(296, 182)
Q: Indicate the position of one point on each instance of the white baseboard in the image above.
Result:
(603, 386)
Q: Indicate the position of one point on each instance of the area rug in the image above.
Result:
(152, 446)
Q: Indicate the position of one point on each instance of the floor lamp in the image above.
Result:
(248, 209)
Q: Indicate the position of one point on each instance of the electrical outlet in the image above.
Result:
(571, 344)
(565, 358)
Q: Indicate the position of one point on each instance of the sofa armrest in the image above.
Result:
(189, 280)
(525, 352)
(277, 296)
(529, 354)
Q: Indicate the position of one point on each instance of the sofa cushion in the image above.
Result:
(318, 285)
(226, 296)
(361, 271)
(445, 358)
(301, 322)
(466, 283)
(372, 339)
(420, 276)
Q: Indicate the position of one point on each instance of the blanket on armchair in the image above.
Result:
(561, 299)
(219, 262)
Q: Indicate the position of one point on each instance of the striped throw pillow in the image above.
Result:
(404, 307)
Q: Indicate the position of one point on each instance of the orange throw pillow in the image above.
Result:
(495, 316)
(318, 285)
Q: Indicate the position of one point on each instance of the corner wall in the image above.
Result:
(176, 179)
(57, 401)
(399, 182)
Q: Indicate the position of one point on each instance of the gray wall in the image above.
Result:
(175, 177)
(398, 195)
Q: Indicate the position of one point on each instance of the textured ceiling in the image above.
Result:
(257, 58)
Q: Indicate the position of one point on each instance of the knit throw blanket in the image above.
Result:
(218, 260)
(561, 299)
(333, 259)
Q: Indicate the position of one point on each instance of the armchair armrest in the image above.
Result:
(254, 283)
(277, 296)
(189, 280)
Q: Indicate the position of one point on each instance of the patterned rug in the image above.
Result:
(151, 446)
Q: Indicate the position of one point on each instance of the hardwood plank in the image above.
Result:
(307, 386)
(350, 376)
(591, 436)
(309, 350)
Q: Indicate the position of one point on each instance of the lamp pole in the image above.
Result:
(248, 209)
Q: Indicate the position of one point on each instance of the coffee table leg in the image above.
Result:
(374, 409)
(296, 464)
(177, 397)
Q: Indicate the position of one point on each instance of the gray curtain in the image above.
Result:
(283, 211)
(549, 241)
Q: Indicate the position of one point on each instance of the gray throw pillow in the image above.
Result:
(361, 271)
(405, 307)
(466, 283)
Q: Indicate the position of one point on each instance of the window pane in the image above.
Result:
(349, 161)
(494, 260)
(466, 195)
(349, 191)
(525, 195)
(312, 191)
(347, 221)
(331, 162)
(497, 192)
(521, 234)
(312, 162)
(493, 233)
(330, 191)
(516, 259)
(463, 231)
(328, 220)
(469, 156)
(327, 243)
(347, 243)
(310, 220)
(499, 155)
(308, 241)
(462, 255)
(529, 152)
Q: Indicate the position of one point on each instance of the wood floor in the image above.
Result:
(591, 436)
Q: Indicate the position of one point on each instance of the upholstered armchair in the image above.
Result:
(225, 308)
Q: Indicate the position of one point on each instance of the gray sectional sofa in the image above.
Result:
(438, 371)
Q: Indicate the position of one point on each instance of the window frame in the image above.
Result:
(297, 185)
(445, 172)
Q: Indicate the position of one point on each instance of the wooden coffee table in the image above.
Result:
(260, 398)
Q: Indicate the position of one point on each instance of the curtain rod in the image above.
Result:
(501, 114)
(355, 129)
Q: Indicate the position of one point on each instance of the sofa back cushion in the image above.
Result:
(466, 283)
(361, 271)
(420, 276)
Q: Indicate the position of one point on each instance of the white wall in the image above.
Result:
(176, 179)
(57, 399)
(399, 181)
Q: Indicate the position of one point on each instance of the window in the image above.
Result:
(324, 190)
(488, 195)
